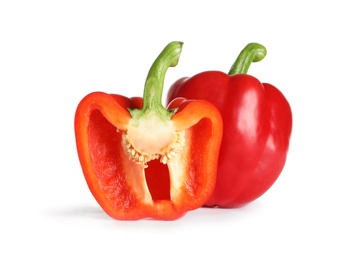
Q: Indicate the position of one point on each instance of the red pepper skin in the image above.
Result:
(129, 189)
(257, 122)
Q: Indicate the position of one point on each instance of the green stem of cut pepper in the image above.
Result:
(153, 90)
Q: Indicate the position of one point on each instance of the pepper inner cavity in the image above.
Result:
(158, 180)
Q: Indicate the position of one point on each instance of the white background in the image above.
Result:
(53, 53)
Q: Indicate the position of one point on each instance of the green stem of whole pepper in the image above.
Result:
(253, 52)
(153, 90)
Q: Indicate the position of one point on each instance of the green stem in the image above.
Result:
(153, 90)
(253, 52)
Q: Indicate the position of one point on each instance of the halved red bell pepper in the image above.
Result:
(141, 160)
(257, 122)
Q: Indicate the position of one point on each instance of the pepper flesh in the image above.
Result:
(257, 128)
(141, 160)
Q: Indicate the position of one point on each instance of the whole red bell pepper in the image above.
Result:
(257, 122)
(141, 160)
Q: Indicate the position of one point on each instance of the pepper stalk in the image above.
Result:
(153, 123)
(253, 52)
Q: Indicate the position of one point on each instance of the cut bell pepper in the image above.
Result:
(141, 160)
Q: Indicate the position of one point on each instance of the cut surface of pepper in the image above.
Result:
(142, 160)
(257, 128)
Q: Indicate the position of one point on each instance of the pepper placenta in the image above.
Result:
(141, 160)
(257, 122)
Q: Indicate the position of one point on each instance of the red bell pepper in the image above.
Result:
(257, 127)
(141, 160)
